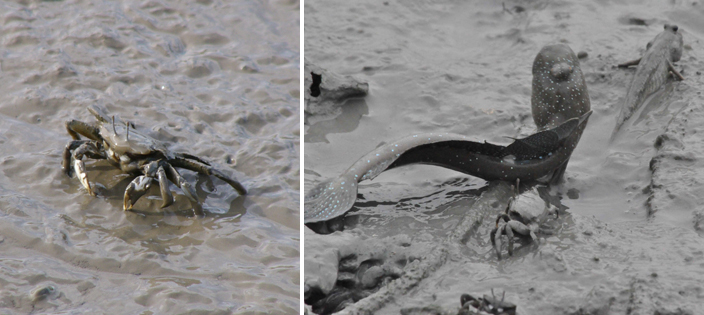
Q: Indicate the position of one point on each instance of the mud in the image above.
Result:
(628, 236)
(327, 92)
(213, 79)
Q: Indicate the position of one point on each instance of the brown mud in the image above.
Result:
(214, 79)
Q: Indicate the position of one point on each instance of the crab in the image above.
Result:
(524, 215)
(487, 304)
(134, 153)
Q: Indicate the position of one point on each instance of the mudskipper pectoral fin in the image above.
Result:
(629, 63)
(676, 74)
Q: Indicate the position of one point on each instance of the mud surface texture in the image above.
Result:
(629, 236)
(214, 79)
(327, 91)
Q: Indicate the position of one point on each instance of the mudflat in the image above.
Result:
(214, 79)
(629, 235)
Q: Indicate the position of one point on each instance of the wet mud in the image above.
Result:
(213, 79)
(328, 91)
(628, 237)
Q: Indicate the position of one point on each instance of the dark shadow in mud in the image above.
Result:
(315, 86)
(634, 20)
(347, 121)
(237, 209)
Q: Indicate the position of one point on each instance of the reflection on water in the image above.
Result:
(213, 79)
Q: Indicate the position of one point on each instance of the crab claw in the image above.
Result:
(136, 189)
(466, 298)
(496, 240)
(522, 229)
(80, 169)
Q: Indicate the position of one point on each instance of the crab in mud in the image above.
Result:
(136, 153)
(524, 215)
(487, 304)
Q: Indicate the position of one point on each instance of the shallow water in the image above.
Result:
(465, 68)
(215, 79)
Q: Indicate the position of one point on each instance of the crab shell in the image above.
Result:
(115, 136)
(528, 207)
(136, 144)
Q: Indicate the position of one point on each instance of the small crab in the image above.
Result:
(487, 304)
(136, 153)
(524, 215)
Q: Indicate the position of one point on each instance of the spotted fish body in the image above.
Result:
(561, 109)
(653, 70)
(541, 143)
(559, 91)
(333, 198)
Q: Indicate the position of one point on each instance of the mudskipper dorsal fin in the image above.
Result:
(542, 143)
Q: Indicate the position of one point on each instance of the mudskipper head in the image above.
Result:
(676, 45)
(671, 36)
(559, 92)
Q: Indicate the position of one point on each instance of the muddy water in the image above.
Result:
(466, 68)
(215, 79)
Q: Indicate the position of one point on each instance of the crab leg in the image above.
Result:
(68, 151)
(675, 74)
(629, 63)
(185, 186)
(207, 170)
(166, 195)
(522, 229)
(155, 170)
(86, 148)
(509, 236)
(496, 240)
(80, 169)
(495, 234)
(177, 179)
(191, 157)
(136, 189)
(75, 127)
